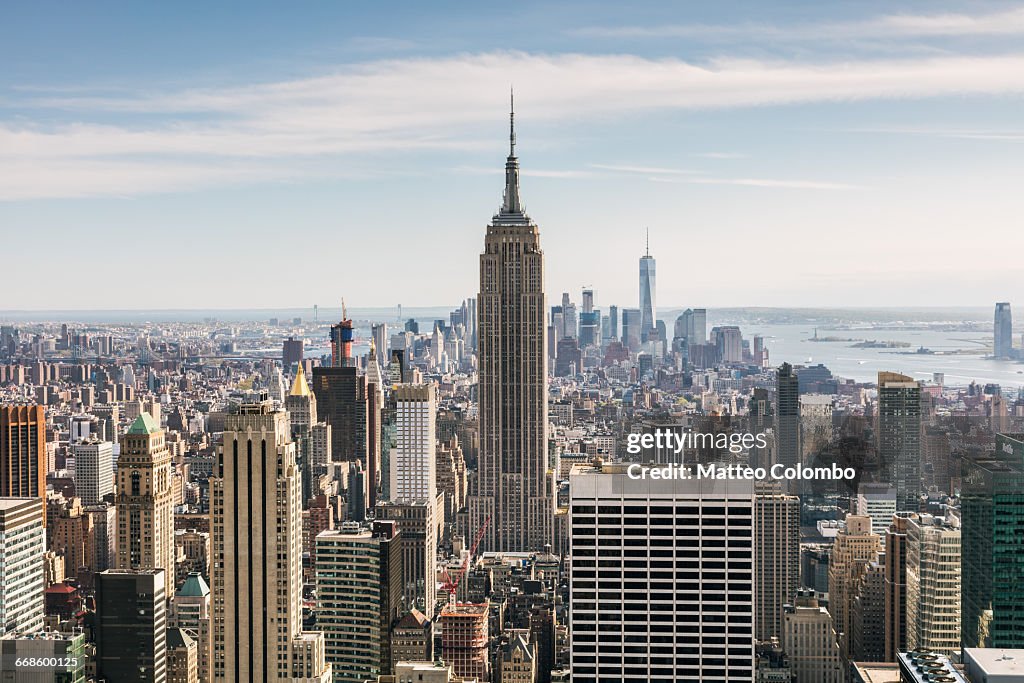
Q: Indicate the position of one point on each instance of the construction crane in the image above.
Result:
(451, 586)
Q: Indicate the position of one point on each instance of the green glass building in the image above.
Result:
(992, 598)
(44, 657)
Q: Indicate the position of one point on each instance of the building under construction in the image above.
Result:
(464, 636)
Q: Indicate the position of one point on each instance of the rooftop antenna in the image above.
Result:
(511, 122)
(648, 241)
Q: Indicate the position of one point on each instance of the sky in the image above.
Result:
(258, 155)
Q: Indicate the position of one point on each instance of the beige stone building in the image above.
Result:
(810, 641)
(145, 505)
(855, 547)
(257, 554)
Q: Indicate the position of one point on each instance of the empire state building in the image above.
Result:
(513, 491)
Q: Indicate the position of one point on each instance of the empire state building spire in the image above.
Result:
(510, 498)
(512, 204)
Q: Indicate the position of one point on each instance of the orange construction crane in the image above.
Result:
(452, 586)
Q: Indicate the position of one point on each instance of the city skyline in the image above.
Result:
(637, 442)
(739, 120)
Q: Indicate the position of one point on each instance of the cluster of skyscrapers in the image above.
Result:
(457, 504)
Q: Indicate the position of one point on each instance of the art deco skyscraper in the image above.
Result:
(648, 308)
(512, 486)
(257, 555)
(145, 504)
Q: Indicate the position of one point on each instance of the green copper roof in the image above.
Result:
(194, 586)
(144, 424)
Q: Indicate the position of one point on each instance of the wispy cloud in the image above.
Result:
(645, 170)
(720, 155)
(763, 182)
(996, 135)
(393, 107)
(678, 175)
(1002, 23)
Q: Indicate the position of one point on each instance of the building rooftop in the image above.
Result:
(177, 637)
(300, 387)
(922, 666)
(876, 672)
(194, 587)
(9, 503)
(413, 619)
(144, 424)
(995, 660)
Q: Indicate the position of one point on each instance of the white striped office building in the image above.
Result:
(661, 586)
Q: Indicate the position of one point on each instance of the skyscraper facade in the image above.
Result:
(94, 470)
(257, 554)
(899, 437)
(131, 625)
(810, 641)
(1002, 343)
(787, 412)
(661, 579)
(417, 521)
(190, 609)
(301, 406)
(588, 300)
(22, 544)
(777, 558)
(291, 353)
(933, 584)
(23, 452)
(992, 602)
(728, 343)
(896, 587)
(854, 549)
(341, 396)
(341, 341)
(413, 459)
(632, 328)
(695, 325)
(145, 501)
(512, 488)
(359, 591)
(648, 306)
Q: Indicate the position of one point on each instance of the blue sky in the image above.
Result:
(255, 155)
